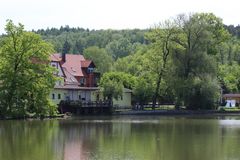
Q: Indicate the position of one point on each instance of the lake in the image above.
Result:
(122, 138)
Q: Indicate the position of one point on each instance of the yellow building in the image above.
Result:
(86, 94)
(125, 100)
(77, 81)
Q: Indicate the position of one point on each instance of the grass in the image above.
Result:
(162, 107)
(233, 109)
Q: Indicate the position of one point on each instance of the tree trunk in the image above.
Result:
(159, 80)
(166, 52)
(156, 91)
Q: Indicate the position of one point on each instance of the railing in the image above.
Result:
(148, 106)
(97, 104)
(78, 103)
(81, 107)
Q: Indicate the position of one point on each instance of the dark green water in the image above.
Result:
(122, 138)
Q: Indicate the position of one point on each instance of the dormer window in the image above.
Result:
(82, 81)
(73, 69)
(90, 70)
(73, 80)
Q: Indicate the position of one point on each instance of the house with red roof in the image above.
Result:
(77, 70)
(232, 100)
(77, 80)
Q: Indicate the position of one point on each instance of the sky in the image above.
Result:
(109, 14)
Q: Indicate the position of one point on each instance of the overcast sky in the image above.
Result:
(109, 14)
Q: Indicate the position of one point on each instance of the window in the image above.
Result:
(73, 69)
(53, 96)
(73, 80)
(82, 81)
(90, 70)
(67, 98)
(59, 96)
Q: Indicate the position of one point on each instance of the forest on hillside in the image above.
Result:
(117, 43)
(190, 60)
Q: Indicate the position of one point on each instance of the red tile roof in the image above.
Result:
(74, 87)
(69, 79)
(55, 57)
(86, 63)
(72, 64)
(231, 95)
(72, 67)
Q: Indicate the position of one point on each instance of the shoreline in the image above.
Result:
(59, 116)
(179, 112)
(140, 113)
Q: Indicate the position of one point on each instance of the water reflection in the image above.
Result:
(130, 138)
(230, 123)
(23, 140)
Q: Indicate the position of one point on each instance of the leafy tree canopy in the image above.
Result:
(112, 83)
(100, 57)
(26, 76)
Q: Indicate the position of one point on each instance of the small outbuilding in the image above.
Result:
(232, 100)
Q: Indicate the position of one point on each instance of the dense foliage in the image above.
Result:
(113, 83)
(99, 56)
(192, 56)
(26, 76)
(117, 43)
(189, 60)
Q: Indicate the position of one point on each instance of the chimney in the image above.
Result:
(64, 57)
(65, 50)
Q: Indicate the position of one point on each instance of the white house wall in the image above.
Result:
(59, 70)
(69, 95)
(86, 95)
(73, 95)
(123, 101)
(56, 93)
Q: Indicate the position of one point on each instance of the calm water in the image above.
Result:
(122, 138)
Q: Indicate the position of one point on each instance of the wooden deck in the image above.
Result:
(86, 108)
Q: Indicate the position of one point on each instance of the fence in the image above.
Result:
(77, 103)
(158, 106)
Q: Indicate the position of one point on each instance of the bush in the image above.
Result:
(199, 93)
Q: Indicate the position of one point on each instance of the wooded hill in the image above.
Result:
(187, 61)
(118, 43)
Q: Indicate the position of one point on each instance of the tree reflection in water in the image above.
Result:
(106, 138)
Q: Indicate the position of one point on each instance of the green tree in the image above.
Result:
(162, 44)
(100, 57)
(26, 76)
(66, 47)
(134, 64)
(144, 64)
(229, 76)
(119, 48)
(143, 90)
(79, 46)
(112, 84)
(199, 37)
(229, 52)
